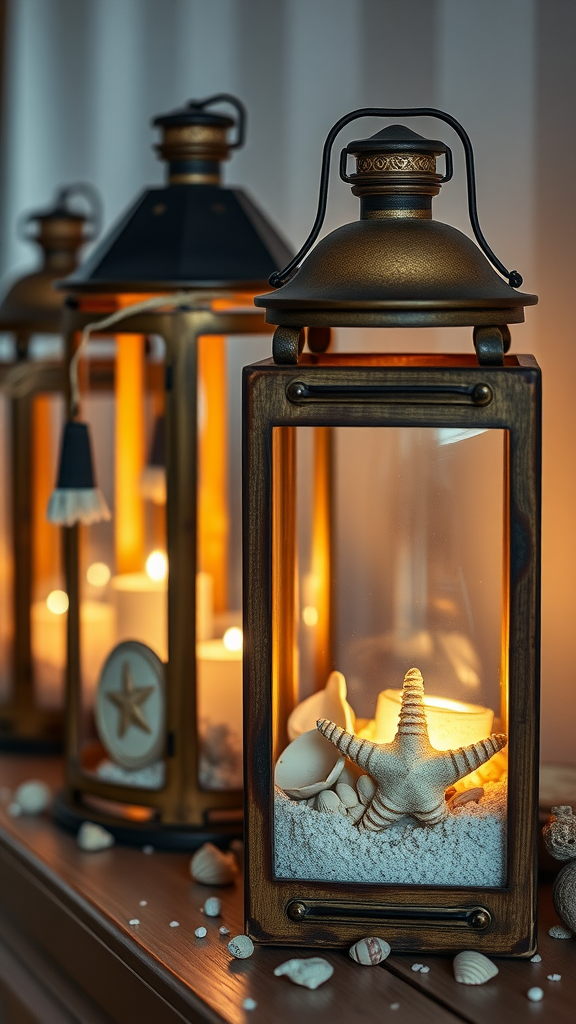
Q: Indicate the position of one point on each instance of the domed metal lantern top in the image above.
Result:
(194, 233)
(60, 231)
(396, 266)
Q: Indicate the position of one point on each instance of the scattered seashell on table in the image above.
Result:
(241, 947)
(309, 973)
(212, 907)
(472, 968)
(210, 866)
(535, 995)
(558, 931)
(369, 951)
(91, 837)
(33, 796)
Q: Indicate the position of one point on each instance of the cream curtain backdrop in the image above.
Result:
(85, 76)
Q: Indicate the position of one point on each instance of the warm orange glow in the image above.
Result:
(321, 553)
(46, 540)
(451, 723)
(130, 454)
(233, 639)
(310, 615)
(57, 602)
(98, 574)
(157, 566)
(213, 520)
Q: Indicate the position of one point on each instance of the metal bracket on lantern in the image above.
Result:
(491, 343)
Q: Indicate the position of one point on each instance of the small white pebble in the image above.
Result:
(143, 903)
(535, 995)
(249, 1004)
(212, 907)
(424, 970)
(224, 930)
(394, 1006)
(147, 849)
(14, 810)
(134, 921)
(201, 932)
(417, 967)
(554, 977)
(241, 946)
(536, 959)
(174, 924)
(558, 931)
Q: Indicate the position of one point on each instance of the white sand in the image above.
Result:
(151, 777)
(469, 848)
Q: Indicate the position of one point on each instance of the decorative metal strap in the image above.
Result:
(513, 277)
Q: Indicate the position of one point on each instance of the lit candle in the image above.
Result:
(48, 626)
(142, 610)
(451, 723)
(219, 689)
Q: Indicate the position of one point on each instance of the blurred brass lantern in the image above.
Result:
(157, 758)
(32, 598)
(395, 796)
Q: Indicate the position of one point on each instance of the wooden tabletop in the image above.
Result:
(65, 918)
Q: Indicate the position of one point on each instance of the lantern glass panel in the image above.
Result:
(415, 580)
(123, 566)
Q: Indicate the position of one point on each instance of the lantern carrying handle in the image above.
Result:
(512, 276)
(226, 97)
(62, 206)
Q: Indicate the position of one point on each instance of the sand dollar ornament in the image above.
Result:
(130, 706)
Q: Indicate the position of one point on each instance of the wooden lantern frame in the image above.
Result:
(184, 814)
(380, 391)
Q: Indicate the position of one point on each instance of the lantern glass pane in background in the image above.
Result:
(416, 580)
(32, 591)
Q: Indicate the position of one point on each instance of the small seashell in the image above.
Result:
(309, 973)
(366, 788)
(241, 947)
(212, 907)
(466, 796)
(143, 903)
(347, 795)
(224, 930)
(472, 968)
(554, 977)
(535, 995)
(91, 837)
(134, 921)
(210, 866)
(249, 1004)
(424, 969)
(558, 931)
(355, 813)
(307, 766)
(328, 703)
(417, 967)
(536, 959)
(33, 796)
(369, 951)
(328, 802)
(201, 932)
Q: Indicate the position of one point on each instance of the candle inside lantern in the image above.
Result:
(451, 723)
(48, 627)
(219, 687)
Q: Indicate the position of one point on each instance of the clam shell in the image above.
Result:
(211, 866)
(366, 788)
(33, 796)
(91, 837)
(328, 802)
(466, 796)
(472, 968)
(328, 703)
(241, 947)
(309, 973)
(369, 951)
(307, 766)
(347, 794)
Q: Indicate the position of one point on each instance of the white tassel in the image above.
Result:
(153, 484)
(86, 505)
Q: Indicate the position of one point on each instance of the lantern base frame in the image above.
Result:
(71, 815)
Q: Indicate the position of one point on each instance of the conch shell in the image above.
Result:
(328, 703)
(308, 766)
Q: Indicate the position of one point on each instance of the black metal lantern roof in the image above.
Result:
(396, 266)
(31, 304)
(193, 233)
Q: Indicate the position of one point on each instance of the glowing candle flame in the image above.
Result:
(233, 639)
(157, 566)
(57, 602)
(98, 574)
(310, 615)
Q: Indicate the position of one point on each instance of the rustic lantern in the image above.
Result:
(399, 800)
(159, 760)
(32, 649)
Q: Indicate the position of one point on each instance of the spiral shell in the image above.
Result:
(212, 867)
(369, 951)
(472, 968)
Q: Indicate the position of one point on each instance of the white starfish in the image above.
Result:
(411, 776)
